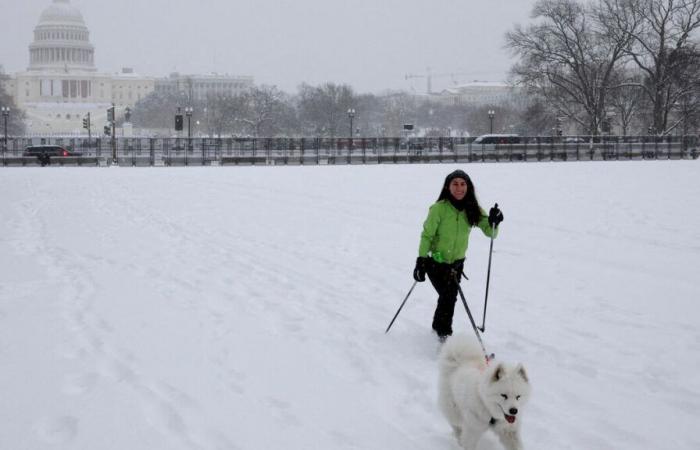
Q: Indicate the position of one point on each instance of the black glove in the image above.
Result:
(421, 267)
(495, 216)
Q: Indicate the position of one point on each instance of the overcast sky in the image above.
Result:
(369, 44)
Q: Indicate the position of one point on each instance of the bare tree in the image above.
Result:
(15, 122)
(323, 109)
(157, 110)
(370, 120)
(261, 104)
(399, 109)
(569, 55)
(660, 50)
(687, 106)
(628, 101)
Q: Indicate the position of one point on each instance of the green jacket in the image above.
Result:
(446, 231)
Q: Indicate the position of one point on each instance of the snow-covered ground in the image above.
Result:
(245, 308)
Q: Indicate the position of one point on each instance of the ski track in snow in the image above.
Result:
(245, 309)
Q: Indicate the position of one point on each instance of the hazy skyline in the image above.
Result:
(369, 44)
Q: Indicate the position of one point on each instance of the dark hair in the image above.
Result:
(469, 203)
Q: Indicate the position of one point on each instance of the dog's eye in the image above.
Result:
(505, 397)
(517, 397)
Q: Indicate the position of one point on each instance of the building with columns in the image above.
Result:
(62, 84)
(481, 93)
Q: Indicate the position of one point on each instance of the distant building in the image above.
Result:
(62, 84)
(480, 93)
(199, 87)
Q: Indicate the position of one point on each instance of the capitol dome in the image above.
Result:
(61, 11)
(61, 40)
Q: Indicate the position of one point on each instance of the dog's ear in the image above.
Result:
(498, 373)
(520, 370)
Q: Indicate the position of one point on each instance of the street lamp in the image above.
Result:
(5, 115)
(188, 113)
(351, 115)
(492, 113)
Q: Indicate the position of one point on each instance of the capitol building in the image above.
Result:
(62, 84)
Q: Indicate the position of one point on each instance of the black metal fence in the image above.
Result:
(322, 151)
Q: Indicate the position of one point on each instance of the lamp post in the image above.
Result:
(188, 113)
(492, 114)
(558, 130)
(5, 115)
(351, 115)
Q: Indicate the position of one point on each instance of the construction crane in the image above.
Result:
(429, 77)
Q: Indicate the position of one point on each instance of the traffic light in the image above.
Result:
(110, 114)
(108, 130)
(178, 122)
(86, 122)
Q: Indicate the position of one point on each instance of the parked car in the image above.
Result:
(574, 140)
(497, 139)
(48, 150)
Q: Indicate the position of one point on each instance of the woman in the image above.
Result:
(443, 243)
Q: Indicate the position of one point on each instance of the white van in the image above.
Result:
(497, 139)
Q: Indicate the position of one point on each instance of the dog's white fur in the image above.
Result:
(471, 393)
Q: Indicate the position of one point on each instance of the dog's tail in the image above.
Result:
(459, 350)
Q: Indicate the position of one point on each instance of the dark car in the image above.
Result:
(44, 153)
(48, 150)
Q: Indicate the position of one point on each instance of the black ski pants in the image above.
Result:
(445, 279)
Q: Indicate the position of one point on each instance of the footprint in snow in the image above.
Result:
(57, 430)
(77, 384)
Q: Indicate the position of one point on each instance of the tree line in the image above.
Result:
(632, 64)
(322, 111)
(585, 67)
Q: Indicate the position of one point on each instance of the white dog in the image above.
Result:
(475, 396)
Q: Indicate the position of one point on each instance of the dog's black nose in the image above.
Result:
(513, 411)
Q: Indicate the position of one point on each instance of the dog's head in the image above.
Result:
(505, 390)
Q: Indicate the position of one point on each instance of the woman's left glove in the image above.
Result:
(421, 268)
(495, 216)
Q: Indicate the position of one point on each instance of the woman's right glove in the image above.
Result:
(421, 267)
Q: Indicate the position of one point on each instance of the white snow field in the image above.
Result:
(245, 307)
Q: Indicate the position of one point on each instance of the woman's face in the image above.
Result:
(458, 188)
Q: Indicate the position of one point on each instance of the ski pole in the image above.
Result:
(400, 307)
(488, 279)
(471, 319)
